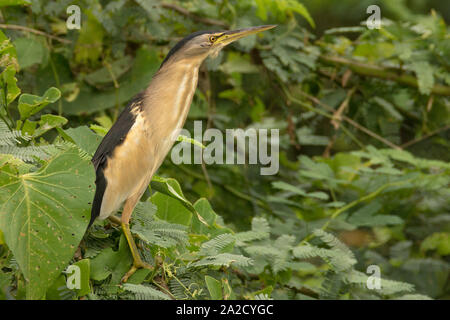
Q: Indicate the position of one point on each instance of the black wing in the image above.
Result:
(114, 138)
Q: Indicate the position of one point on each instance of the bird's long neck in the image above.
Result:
(170, 94)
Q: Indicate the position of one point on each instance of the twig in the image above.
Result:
(414, 141)
(111, 73)
(352, 122)
(164, 289)
(337, 115)
(382, 72)
(430, 103)
(194, 17)
(291, 132)
(321, 112)
(30, 30)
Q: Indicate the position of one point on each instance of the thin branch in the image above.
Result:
(352, 122)
(414, 141)
(337, 115)
(194, 17)
(319, 111)
(382, 72)
(30, 30)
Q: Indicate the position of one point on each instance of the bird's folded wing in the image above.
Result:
(116, 135)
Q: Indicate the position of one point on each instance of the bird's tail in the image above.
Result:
(100, 183)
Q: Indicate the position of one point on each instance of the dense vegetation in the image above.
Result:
(364, 148)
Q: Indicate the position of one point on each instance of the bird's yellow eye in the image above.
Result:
(212, 38)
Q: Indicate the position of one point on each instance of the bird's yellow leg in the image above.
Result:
(137, 260)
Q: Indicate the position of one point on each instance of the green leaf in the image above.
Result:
(223, 259)
(171, 210)
(89, 44)
(171, 188)
(214, 287)
(389, 108)
(220, 244)
(110, 262)
(91, 100)
(145, 292)
(48, 122)
(8, 81)
(204, 209)
(439, 241)
(30, 104)
(59, 291)
(374, 51)
(84, 138)
(288, 187)
(300, 9)
(6, 3)
(30, 51)
(424, 73)
(7, 52)
(367, 216)
(343, 164)
(5, 281)
(260, 230)
(105, 74)
(266, 292)
(44, 215)
(101, 131)
(157, 232)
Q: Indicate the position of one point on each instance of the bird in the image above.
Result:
(137, 143)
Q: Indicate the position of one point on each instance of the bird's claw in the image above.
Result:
(136, 266)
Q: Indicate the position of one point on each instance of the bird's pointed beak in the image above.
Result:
(233, 35)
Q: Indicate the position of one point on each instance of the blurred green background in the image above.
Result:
(364, 136)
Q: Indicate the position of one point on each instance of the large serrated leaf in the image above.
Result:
(44, 215)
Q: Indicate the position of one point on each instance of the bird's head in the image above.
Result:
(202, 44)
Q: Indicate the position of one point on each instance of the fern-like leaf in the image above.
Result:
(217, 244)
(222, 259)
(143, 292)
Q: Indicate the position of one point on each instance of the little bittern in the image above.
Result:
(138, 142)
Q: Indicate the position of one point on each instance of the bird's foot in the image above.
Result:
(136, 266)
(115, 220)
(137, 260)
